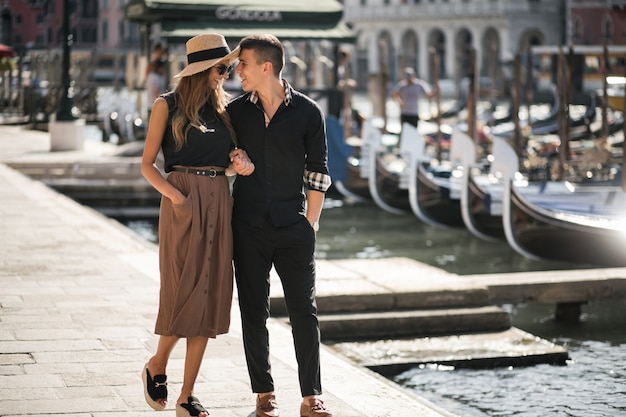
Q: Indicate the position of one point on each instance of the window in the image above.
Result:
(120, 30)
(607, 28)
(105, 31)
(577, 29)
(90, 8)
(88, 35)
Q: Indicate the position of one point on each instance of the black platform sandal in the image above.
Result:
(154, 389)
(192, 408)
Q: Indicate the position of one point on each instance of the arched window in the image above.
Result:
(607, 28)
(577, 29)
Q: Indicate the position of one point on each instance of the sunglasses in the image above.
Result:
(223, 69)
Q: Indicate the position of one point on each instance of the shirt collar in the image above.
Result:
(254, 97)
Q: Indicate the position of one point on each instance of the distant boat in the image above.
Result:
(481, 190)
(433, 189)
(344, 163)
(560, 220)
(615, 92)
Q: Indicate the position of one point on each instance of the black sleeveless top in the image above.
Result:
(208, 148)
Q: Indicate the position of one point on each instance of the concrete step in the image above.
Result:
(468, 296)
(109, 193)
(412, 323)
(511, 347)
(104, 168)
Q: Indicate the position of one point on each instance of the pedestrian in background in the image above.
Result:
(283, 132)
(192, 128)
(155, 78)
(407, 93)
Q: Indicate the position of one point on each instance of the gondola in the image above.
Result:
(481, 191)
(433, 189)
(344, 163)
(560, 220)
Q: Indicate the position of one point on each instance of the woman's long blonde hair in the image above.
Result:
(190, 95)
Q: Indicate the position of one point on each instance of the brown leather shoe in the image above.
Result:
(316, 409)
(266, 406)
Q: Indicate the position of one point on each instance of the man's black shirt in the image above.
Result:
(289, 153)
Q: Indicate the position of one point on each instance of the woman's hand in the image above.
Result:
(177, 198)
(241, 163)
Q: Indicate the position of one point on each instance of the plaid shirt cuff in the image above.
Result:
(317, 181)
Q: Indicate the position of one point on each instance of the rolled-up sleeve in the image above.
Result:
(316, 174)
(317, 181)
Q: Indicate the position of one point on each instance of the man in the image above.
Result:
(407, 93)
(283, 133)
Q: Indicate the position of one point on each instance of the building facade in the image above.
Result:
(101, 36)
(392, 34)
(38, 24)
(596, 22)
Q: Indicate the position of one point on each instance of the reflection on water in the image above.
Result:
(592, 384)
(363, 230)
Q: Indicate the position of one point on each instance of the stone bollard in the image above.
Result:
(67, 135)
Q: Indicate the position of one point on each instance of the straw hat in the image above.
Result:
(204, 51)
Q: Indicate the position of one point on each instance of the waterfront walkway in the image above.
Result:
(77, 308)
(79, 298)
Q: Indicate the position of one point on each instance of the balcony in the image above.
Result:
(354, 11)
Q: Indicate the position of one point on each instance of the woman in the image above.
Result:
(193, 130)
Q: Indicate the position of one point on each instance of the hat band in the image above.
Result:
(207, 54)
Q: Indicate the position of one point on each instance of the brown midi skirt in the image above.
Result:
(195, 258)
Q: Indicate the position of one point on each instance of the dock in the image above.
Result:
(80, 294)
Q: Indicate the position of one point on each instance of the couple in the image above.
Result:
(273, 138)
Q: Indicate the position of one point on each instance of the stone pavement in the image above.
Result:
(77, 309)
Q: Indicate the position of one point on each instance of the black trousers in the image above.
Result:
(291, 250)
(410, 119)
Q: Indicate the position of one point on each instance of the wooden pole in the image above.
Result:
(563, 113)
(516, 139)
(624, 141)
(569, 69)
(493, 51)
(605, 65)
(435, 71)
(529, 81)
(471, 97)
(383, 57)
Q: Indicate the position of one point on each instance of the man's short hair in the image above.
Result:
(267, 48)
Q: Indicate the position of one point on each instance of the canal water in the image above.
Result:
(593, 383)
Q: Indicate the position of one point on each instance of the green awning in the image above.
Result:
(181, 31)
(183, 19)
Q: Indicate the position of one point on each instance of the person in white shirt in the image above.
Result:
(408, 93)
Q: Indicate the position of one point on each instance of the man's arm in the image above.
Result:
(314, 203)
